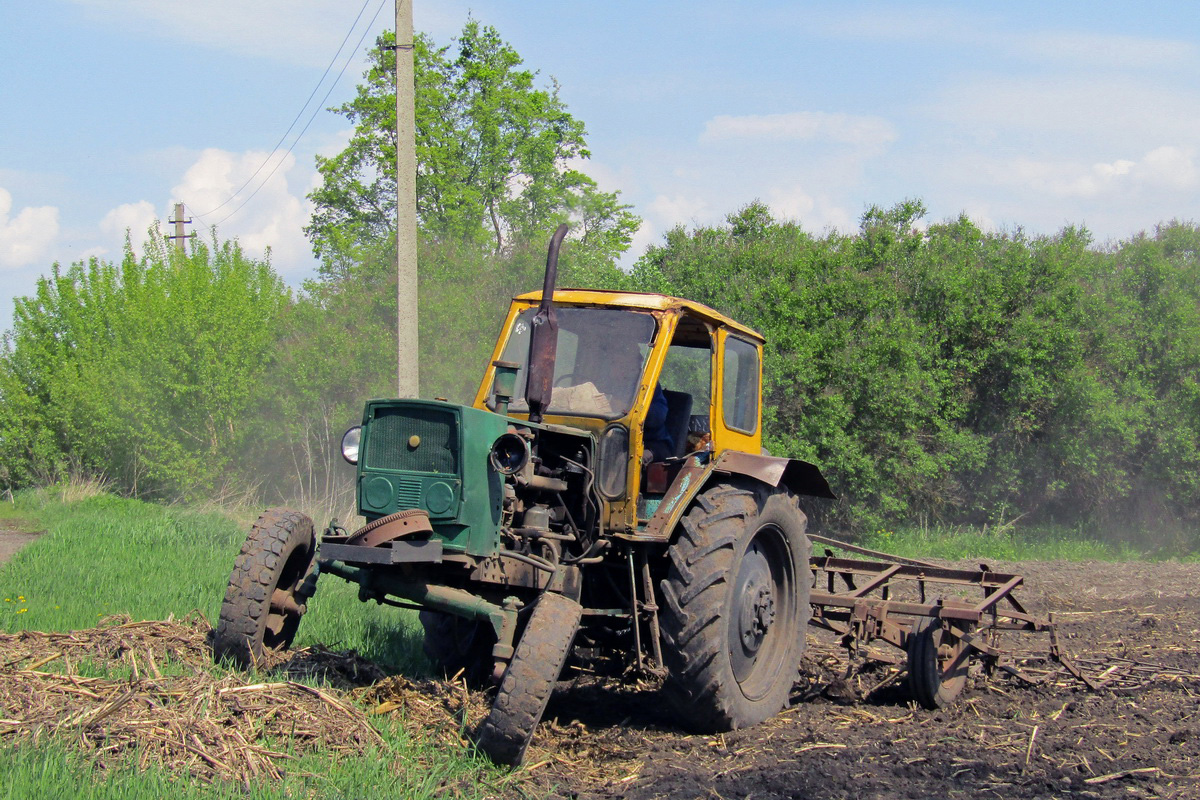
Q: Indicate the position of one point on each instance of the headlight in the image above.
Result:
(350, 440)
(510, 454)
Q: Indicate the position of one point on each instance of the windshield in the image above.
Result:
(601, 352)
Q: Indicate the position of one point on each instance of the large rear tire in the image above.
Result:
(455, 645)
(529, 680)
(736, 608)
(262, 610)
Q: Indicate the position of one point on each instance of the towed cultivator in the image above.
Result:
(898, 601)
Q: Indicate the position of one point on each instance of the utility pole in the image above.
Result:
(179, 222)
(406, 202)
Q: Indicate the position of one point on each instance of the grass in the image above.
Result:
(51, 769)
(959, 544)
(105, 555)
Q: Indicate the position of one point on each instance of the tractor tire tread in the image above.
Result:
(276, 534)
(530, 679)
(702, 562)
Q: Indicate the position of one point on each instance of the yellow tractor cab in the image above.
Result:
(663, 384)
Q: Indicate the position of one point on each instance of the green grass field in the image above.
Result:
(105, 555)
(958, 544)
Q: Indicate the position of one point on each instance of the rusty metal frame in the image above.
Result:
(856, 603)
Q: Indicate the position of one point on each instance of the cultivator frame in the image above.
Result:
(852, 597)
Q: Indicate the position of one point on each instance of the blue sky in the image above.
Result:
(1020, 114)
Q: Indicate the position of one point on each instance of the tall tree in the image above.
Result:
(494, 155)
(141, 372)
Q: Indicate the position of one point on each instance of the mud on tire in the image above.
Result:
(530, 678)
(736, 607)
(260, 610)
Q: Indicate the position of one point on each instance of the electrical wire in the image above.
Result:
(312, 117)
(299, 113)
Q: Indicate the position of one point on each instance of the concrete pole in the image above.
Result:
(179, 236)
(406, 202)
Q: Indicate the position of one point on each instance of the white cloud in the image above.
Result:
(814, 213)
(305, 32)
(982, 31)
(27, 237)
(1163, 169)
(838, 128)
(900, 23)
(136, 218)
(1174, 167)
(678, 209)
(1072, 113)
(272, 218)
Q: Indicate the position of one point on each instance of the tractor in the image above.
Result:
(605, 503)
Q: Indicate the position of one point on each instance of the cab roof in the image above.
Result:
(640, 300)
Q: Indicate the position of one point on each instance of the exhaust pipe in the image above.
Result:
(543, 339)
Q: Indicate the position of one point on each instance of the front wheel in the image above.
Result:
(262, 608)
(736, 606)
(529, 680)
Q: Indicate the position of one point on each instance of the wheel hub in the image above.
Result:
(756, 614)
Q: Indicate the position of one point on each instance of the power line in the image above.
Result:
(300, 135)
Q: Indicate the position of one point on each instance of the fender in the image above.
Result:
(800, 477)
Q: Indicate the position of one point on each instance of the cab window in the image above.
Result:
(739, 404)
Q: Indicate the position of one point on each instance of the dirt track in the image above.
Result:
(1002, 739)
(14, 535)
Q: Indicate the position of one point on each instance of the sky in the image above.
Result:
(1022, 115)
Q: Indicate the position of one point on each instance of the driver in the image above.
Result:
(656, 439)
(625, 370)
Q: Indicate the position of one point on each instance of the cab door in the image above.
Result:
(737, 406)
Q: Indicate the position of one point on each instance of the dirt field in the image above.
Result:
(1002, 739)
(14, 535)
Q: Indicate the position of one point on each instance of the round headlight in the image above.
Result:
(350, 440)
(510, 454)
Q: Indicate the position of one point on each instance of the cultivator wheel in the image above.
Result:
(937, 663)
(529, 681)
(264, 601)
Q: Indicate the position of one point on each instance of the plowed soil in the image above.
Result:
(1003, 738)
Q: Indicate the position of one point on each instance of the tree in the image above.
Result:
(494, 157)
(143, 373)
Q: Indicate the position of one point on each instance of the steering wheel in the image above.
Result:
(566, 380)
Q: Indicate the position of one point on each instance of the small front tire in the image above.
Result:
(529, 680)
(262, 608)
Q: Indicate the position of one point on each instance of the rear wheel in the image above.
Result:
(262, 609)
(736, 606)
(937, 663)
(530, 678)
(455, 645)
